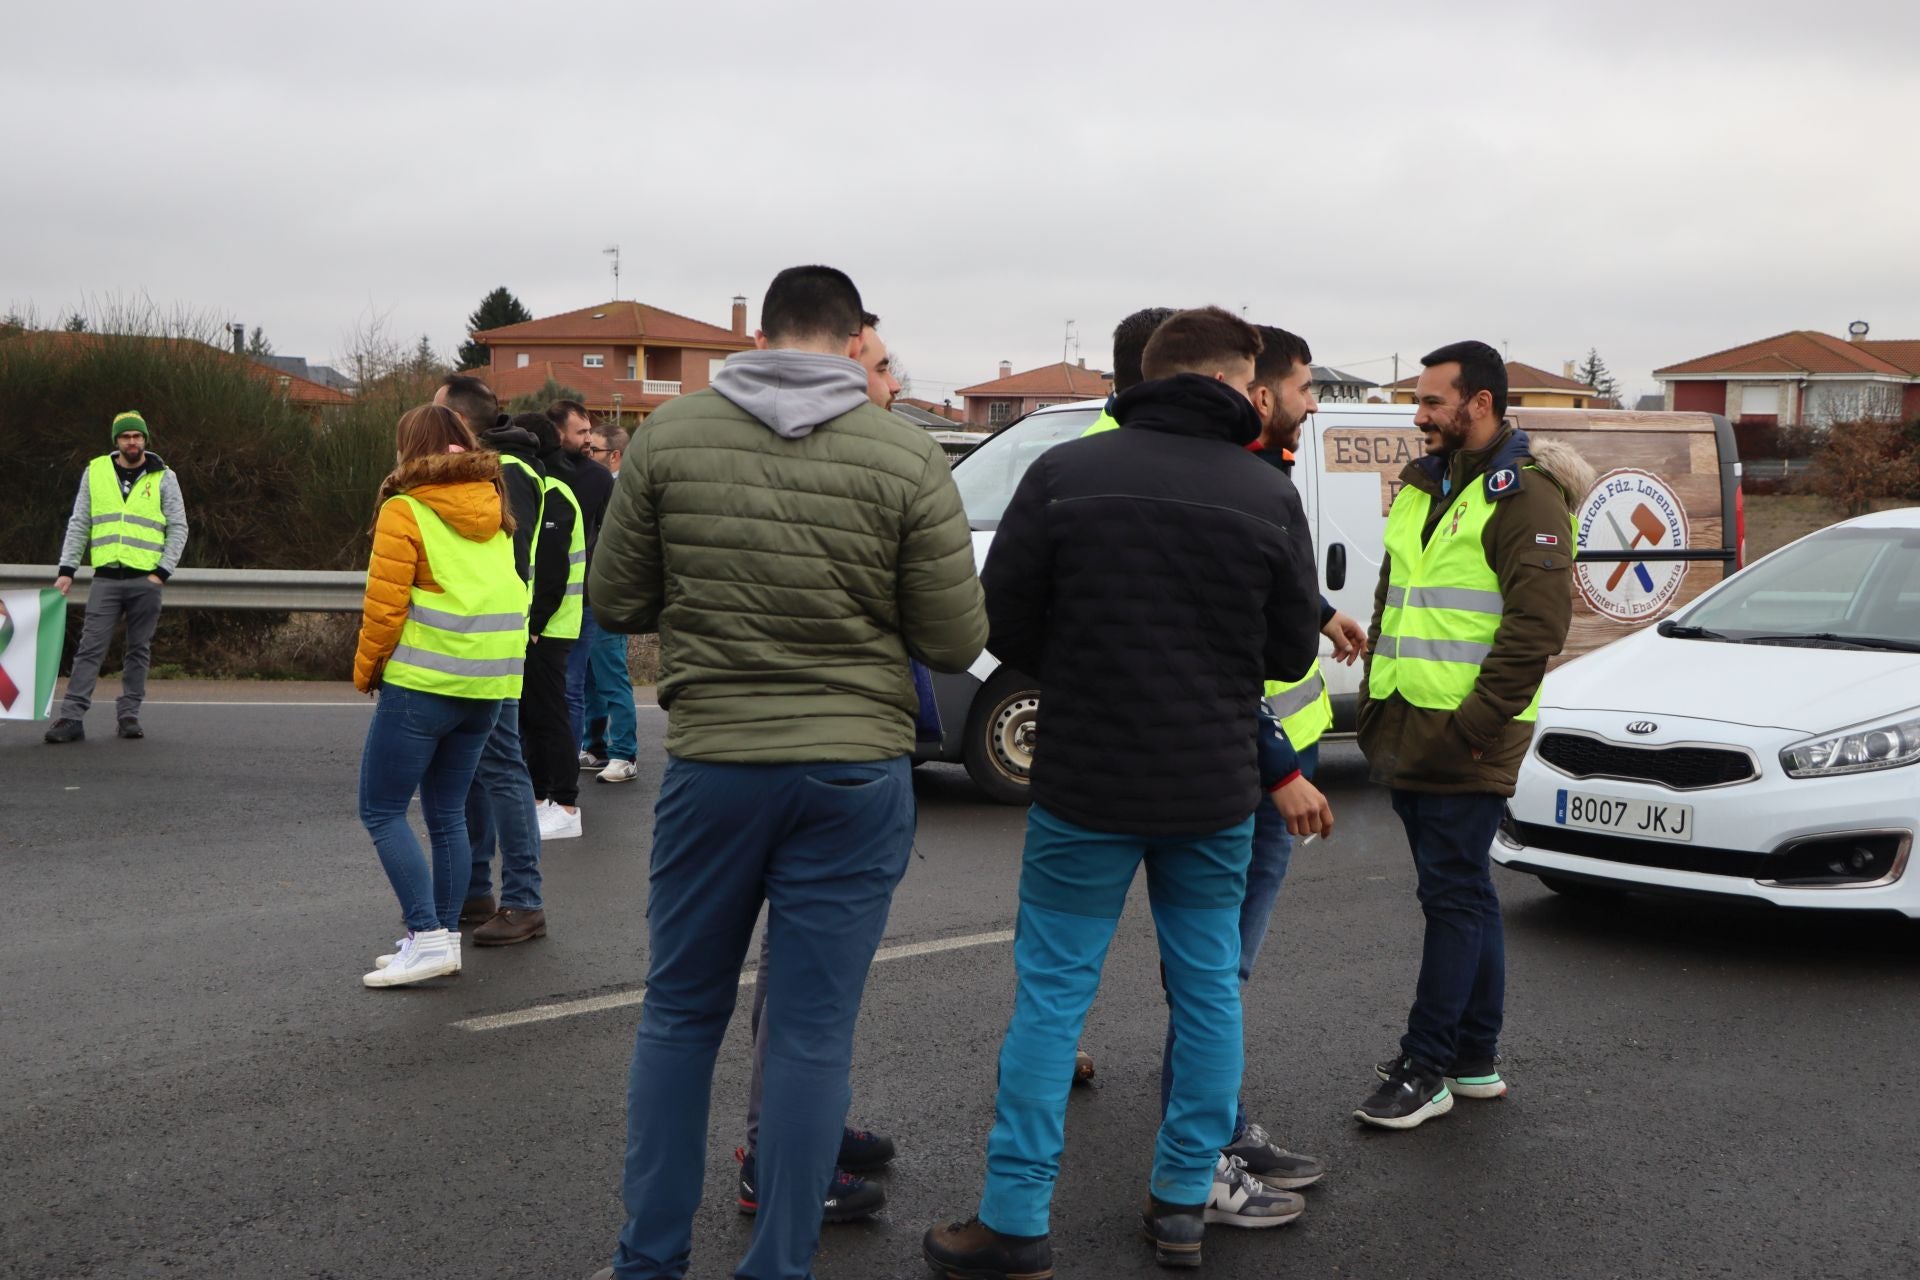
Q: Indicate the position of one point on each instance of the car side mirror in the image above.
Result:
(1336, 566)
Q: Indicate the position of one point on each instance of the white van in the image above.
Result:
(1666, 482)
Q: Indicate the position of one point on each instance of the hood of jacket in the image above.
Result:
(792, 392)
(1189, 404)
(458, 487)
(518, 441)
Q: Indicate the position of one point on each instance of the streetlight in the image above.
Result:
(616, 408)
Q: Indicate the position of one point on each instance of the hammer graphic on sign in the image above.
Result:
(1646, 525)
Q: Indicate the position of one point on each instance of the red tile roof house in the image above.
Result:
(996, 403)
(1803, 378)
(943, 410)
(1526, 386)
(618, 353)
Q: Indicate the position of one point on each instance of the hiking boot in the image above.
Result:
(861, 1150)
(849, 1199)
(477, 910)
(1409, 1096)
(1082, 1067)
(1176, 1232)
(510, 925)
(130, 728)
(619, 771)
(1238, 1199)
(1274, 1165)
(381, 962)
(1469, 1077)
(420, 956)
(65, 731)
(972, 1250)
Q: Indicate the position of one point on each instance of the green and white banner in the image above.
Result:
(33, 626)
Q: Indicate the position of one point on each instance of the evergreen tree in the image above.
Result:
(498, 308)
(76, 323)
(257, 344)
(1593, 372)
(424, 358)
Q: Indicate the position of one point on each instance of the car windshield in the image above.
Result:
(1843, 586)
(988, 476)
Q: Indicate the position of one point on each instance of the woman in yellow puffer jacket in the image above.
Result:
(442, 637)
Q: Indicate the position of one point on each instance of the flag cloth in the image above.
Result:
(33, 627)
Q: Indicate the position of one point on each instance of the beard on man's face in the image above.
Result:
(1448, 434)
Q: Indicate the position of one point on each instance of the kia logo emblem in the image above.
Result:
(1642, 726)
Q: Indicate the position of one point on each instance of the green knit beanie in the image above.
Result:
(131, 421)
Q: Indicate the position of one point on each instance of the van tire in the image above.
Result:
(1000, 734)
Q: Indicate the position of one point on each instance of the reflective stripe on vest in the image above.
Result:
(130, 531)
(1443, 606)
(1303, 706)
(468, 639)
(565, 622)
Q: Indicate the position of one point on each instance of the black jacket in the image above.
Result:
(523, 495)
(592, 486)
(1151, 578)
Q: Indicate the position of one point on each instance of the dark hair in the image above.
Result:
(868, 320)
(1198, 341)
(1279, 352)
(1129, 340)
(611, 437)
(560, 410)
(810, 304)
(1481, 369)
(541, 426)
(473, 400)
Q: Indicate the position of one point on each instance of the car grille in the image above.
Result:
(1677, 768)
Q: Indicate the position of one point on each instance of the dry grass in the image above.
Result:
(1775, 520)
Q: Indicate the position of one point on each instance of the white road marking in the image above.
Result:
(626, 999)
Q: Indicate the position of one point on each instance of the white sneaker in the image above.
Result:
(420, 956)
(556, 823)
(381, 962)
(619, 771)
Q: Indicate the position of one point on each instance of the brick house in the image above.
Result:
(1527, 388)
(624, 355)
(996, 403)
(1803, 378)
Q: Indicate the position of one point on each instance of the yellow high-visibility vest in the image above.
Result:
(565, 622)
(469, 639)
(1304, 707)
(129, 531)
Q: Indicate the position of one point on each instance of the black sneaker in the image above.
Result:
(130, 728)
(1272, 1164)
(65, 731)
(1409, 1096)
(1175, 1231)
(861, 1150)
(849, 1199)
(972, 1250)
(1469, 1078)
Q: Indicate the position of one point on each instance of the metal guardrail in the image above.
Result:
(288, 590)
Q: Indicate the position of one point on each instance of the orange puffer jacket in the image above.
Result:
(459, 488)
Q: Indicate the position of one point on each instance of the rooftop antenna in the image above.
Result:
(613, 251)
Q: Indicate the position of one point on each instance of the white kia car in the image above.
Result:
(1762, 744)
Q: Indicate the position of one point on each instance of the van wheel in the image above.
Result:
(1001, 731)
(1582, 890)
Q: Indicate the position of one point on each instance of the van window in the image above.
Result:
(988, 476)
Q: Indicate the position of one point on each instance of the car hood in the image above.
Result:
(1800, 689)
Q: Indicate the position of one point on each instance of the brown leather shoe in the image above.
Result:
(510, 925)
(1082, 1067)
(477, 910)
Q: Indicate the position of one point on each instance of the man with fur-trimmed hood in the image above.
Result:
(1474, 600)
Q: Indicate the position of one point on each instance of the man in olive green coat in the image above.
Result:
(794, 546)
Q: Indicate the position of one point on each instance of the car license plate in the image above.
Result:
(1639, 819)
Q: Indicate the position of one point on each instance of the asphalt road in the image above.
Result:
(194, 1083)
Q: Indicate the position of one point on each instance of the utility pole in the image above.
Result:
(1066, 340)
(613, 251)
(1396, 370)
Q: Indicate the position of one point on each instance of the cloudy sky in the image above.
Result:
(1656, 180)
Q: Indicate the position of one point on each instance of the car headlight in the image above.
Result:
(1885, 745)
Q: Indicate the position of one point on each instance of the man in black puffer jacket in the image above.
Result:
(1151, 578)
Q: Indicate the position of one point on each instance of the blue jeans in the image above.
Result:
(577, 673)
(500, 813)
(611, 723)
(1461, 998)
(824, 845)
(1272, 854)
(1073, 885)
(429, 743)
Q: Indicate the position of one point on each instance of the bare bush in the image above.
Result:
(1860, 461)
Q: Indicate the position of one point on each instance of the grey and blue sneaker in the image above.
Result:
(1271, 1163)
(1238, 1199)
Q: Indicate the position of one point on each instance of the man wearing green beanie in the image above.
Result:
(130, 524)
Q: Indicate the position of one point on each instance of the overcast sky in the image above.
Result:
(1657, 180)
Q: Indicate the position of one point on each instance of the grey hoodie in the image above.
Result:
(792, 392)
